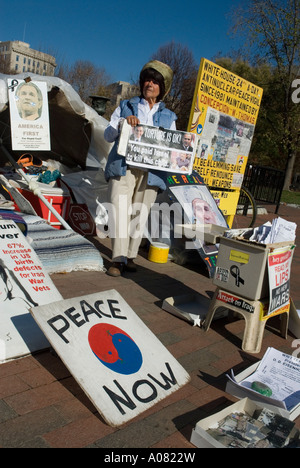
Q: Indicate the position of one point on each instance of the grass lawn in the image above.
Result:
(290, 197)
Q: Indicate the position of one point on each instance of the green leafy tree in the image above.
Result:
(272, 30)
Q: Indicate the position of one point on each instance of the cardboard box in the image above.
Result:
(201, 439)
(242, 268)
(209, 233)
(242, 392)
(190, 307)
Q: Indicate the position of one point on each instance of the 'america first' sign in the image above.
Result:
(122, 367)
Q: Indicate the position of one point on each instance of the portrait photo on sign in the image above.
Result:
(29, 115)
(28, 100)
(199, 205)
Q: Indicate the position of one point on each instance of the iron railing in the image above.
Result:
(265, 183)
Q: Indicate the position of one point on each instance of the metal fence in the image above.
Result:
(265, 183)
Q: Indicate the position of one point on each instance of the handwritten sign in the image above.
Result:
(223, 115)
(23, 284)
(118, 362)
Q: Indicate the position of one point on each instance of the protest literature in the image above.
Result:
(275, 382)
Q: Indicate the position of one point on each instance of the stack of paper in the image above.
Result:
(279, 231)
(282, 231)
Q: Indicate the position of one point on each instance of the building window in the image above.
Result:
(17, 67)
(17, 58)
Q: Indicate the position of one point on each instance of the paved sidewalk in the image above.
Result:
(41, 405)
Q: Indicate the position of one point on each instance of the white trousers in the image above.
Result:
(131, 199)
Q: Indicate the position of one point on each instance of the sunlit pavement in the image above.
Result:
(41, 405)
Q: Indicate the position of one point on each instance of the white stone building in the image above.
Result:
(17, 57)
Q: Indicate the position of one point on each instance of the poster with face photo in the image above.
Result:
(29, 115)
(200, 208)
(199, 205)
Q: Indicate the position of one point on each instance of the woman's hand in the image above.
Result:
(132, 120)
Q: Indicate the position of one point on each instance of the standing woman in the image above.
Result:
(129, 186)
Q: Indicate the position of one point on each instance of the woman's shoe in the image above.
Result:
(131, 266)
(116, 269)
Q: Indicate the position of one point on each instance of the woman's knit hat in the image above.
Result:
(164, 70)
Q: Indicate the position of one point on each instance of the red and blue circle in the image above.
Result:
(115, 349)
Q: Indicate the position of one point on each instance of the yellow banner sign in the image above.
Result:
(223, 115)
(226, 200)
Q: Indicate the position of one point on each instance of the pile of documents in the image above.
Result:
(276, 232)
(281, 373)
(279, 231)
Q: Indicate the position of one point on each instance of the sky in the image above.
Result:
(116, 35)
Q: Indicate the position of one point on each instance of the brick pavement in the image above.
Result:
(41, 405)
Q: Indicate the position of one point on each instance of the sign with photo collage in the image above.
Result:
(223, 115)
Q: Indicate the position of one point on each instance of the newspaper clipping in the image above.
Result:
(158, 148)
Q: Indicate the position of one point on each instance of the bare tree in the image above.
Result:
(5, 67)
(272, 28)
(85, 78)
(185, 69)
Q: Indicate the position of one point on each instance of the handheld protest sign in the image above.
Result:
(23, 284)
(154, 148)
(119, 363)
